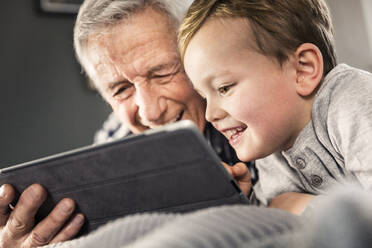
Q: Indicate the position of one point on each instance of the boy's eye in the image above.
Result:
(224, 89)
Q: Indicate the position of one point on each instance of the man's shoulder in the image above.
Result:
(111, 129)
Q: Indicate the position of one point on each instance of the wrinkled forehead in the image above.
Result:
(145, 35)
(97, 58)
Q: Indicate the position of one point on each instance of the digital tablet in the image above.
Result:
(170, 169)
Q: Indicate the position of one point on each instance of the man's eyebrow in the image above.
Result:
(113, 85)
(158, 68)
(161, 67)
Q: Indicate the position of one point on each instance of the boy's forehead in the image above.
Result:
(234, 41)
(221, 37)
(236, 32)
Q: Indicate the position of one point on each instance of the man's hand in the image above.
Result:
(17, 226)
(241, 174)
(292, 202)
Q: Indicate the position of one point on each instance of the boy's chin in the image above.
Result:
(247, 155)
(244, 156)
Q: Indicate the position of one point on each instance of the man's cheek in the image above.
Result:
(128, 114)
(124, 113)
(183, 88)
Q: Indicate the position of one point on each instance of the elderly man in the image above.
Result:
(128, 49)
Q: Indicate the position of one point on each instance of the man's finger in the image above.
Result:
(70, 230)
(228, 168)
(21, 219)
(6, 197)
(243, 176)
(44, 232)
(241, 170)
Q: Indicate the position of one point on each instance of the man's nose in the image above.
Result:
(151, 103)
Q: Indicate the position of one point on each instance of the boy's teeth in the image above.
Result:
(232, 132)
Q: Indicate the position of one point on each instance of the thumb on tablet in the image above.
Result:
(241, 174)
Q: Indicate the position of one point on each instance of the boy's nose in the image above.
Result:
(213, 112)
(151, 104)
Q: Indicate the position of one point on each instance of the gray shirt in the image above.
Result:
(335, 147)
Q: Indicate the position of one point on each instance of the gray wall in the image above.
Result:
(353, 42)
(45, 106)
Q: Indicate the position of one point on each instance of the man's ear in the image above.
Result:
(309, 67)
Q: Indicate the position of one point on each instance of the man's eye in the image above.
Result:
(161, 75)
(121, 90)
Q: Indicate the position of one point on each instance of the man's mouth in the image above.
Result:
(177, 118)
(150, 125)
(233, 134)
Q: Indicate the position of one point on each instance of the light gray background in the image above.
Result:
(45, 106)
(352, 21)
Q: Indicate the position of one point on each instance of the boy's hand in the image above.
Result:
(292, 202)
(17, 226)
(241, 174)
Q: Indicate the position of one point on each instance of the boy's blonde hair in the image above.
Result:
(279, 27)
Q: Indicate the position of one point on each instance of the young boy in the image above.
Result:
(268, 72)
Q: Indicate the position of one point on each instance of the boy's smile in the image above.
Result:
(233, 134)
(251, 98)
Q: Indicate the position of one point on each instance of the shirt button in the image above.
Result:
(300, 164)
(218, 149)
(316, 181)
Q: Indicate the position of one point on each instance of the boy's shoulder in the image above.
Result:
(344, 86)
(344, 75)
(342, 104)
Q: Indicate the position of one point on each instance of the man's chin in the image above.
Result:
(200, 124)
(138, 129)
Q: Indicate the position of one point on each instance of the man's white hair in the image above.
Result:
(96, 15)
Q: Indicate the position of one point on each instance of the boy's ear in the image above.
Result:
(309, 68)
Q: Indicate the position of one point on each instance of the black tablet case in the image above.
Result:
(170, 169)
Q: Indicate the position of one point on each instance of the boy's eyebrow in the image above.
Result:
(208, 78)
(212, 77)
